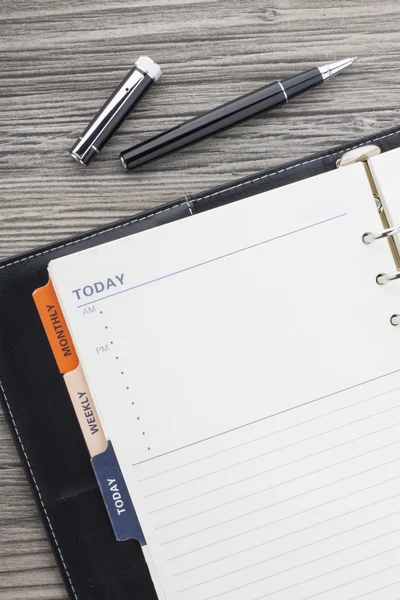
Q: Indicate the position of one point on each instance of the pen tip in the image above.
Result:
(334, 68)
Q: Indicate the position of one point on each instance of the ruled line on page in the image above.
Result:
(268, 435)
(232, 537)
(215, 259)
(321, 487)
(292, 568)
(296, 549)
(347, 583)
(274, 450)
(291, 463)
(357, 562)
(312, 518)
(385, 587)
(334, 588)
(309, 402)
(331, 501)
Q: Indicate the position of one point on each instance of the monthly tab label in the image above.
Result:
(116, 497)
(86, 412)
(56, 328)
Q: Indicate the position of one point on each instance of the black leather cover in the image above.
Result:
(94, 565)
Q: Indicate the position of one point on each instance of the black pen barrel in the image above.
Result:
(301, 83)
(224, 116)
(213, 121)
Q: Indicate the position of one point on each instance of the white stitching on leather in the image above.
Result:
(88, 237)
(299, 165)
(233, 187)
(38, 491)
(189, 205)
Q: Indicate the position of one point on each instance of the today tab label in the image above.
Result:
(116, 497)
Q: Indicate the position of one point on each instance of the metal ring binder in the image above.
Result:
(362, 155)
(369, 237)
(383, 278)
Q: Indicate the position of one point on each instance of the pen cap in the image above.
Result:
(115, 109)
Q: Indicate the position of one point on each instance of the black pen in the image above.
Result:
(233, 112)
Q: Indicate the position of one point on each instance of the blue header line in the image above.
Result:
(211, 260)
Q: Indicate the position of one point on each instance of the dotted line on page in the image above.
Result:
(126, 224)
(125, 385)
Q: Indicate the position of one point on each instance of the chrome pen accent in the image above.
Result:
(284, 91)
(116, 108)
(335, 68)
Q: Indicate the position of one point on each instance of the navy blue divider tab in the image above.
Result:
(116, 497)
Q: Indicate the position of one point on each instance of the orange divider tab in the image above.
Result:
(56, 328)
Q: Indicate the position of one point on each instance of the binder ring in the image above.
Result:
(369, 237)
(383, 278)
(395, 320)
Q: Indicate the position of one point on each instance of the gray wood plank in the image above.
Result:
(58, 63)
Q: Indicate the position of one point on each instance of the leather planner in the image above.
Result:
(98, 559)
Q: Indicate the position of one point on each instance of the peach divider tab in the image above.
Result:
(86, 412)
(56, 328)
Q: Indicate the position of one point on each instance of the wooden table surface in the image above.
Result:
(58, 63)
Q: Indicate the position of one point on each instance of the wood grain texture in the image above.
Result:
(58, 63)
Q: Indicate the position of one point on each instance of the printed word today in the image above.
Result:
(99, 286)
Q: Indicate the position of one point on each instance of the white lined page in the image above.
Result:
(255, 424)
(329, 487)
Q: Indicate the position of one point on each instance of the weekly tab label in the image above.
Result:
(56, 328)
(86, 412)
